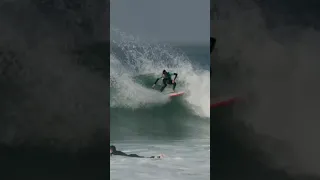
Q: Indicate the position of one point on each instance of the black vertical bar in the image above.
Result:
(212, 44)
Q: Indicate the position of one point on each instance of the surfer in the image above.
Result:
(167, 79)
(113, 151)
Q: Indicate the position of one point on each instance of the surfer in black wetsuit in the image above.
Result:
(113, 151)
(167, 80)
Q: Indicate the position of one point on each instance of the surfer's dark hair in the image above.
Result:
(164, 71)
(113, 148)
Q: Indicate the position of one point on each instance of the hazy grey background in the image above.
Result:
(175, 21)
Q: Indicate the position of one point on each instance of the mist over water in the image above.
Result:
(277, 63)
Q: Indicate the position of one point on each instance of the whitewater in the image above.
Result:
(142, 58)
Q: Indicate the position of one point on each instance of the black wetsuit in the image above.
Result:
(167, 80)
(120, 153)
(113, 151)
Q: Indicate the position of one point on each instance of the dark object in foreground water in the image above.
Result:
(113, 151)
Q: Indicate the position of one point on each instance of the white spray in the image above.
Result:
(143, 58)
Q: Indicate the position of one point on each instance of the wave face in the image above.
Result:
(137, 109)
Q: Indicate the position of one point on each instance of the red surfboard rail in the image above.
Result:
(223, 102)
(176, 94)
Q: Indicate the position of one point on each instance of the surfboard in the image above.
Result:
(222, 102)
(175, 94)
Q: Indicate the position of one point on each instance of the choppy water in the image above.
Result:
(185, 159)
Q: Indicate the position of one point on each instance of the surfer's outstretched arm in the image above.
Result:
(152, 157)
(120, 153)
(133, 155)
(175, 76)
(113, 151)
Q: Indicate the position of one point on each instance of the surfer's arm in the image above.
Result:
(120, 153)
(137, 156)
(175, 76)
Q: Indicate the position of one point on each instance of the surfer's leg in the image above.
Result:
(174, 86)
(164, 84)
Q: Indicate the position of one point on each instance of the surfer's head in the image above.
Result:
(164, 72)
(112, 149)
